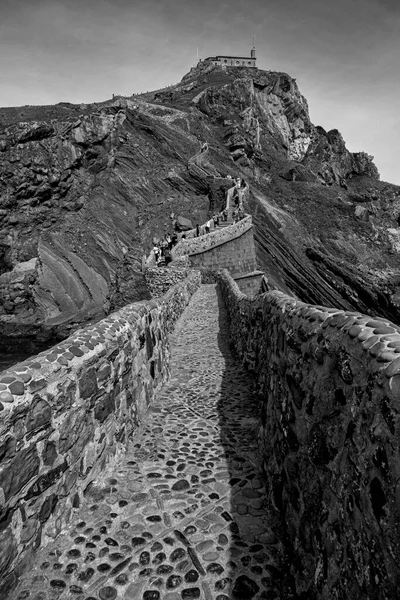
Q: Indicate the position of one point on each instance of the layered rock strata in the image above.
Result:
(85, 188)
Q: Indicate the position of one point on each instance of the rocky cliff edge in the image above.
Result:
(84, 189)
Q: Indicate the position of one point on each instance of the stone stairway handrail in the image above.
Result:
(216, 237)
(191, 234)
(195, 163)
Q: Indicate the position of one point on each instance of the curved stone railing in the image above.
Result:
(67, 411)
(198, 169)
(215, 238)
(231, 231)
(329, 437)
(243, 196)
(195, 165)
(227, 233)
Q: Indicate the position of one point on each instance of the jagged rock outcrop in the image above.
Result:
(76, 197)
(271, 103)
(59, 252)
(328, 156)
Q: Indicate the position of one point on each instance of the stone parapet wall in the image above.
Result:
(215, 238)
(329, 438)
(66, 412)
(250, 283)
(236, 254)
(160, 279)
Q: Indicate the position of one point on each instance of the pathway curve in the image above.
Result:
(183, 515)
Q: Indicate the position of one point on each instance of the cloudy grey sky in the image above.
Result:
(345, 55)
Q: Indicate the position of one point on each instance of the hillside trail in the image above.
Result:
(182, 515)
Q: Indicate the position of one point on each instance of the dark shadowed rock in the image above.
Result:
(244, 588)
(183, 224)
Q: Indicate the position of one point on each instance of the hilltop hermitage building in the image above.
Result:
(234, 61)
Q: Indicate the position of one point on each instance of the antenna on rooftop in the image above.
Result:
(253, 49)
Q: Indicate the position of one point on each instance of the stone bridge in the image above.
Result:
(140, 458)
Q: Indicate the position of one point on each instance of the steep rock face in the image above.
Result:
(328, 156)
(313, 238)
(76, 196)
(270, 106)
(56, 264)
(268, 102)
(85, 189)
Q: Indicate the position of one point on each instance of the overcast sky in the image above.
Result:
(345, 55)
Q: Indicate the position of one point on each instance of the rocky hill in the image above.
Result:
(85, 188)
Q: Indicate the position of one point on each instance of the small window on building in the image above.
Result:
(225, 61)
(249, 63)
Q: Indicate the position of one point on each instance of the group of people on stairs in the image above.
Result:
(234, 210)
(162, 250)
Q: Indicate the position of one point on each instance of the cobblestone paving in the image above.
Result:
(182, 516)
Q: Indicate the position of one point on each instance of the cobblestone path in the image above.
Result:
(182, 516)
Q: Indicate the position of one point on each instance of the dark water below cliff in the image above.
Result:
(8, 360)
(11, 355)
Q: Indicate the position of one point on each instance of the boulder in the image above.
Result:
(298, 173)
(183, 224)
(362, 213)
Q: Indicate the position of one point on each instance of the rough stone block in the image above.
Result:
(104, 406)
(36, 384)
(46, 480)
(7, 448)
(16, 474)
(71, 428)
(48, 507)
(39, 415)
(28, 530)
(8, 550)
(88, 383)
(49, 454)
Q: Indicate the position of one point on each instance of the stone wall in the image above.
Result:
(232, 61)
(197, 245)
(251, 283)
(160, 279)
(329, 438)
(236, 254)
(64, 413)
